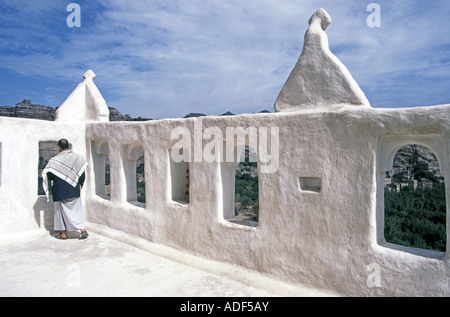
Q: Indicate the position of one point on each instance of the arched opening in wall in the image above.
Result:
(415, 200)
(179, 175)
(134, 166)
(107, 177)
(101, 167)
(246, 199)
(241, 188)
(47, 150)
(140, 177)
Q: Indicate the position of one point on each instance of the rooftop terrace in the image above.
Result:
(110, 264)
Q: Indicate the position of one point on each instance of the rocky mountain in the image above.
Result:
(228, 113)
(26, 109)
(416, 155)
(415, 166)
(194, 115)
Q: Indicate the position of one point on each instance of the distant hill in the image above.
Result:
(414, 156)
(115, 115)
(228, 113)
(194, 115)
(26, 109)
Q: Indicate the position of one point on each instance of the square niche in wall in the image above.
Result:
(310, 184)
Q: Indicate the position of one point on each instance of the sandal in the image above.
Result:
(84, 234)
(60, 237)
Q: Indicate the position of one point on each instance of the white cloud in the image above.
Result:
(207, 56)
(161, 58)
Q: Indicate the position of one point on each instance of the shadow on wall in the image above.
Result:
(43, 213)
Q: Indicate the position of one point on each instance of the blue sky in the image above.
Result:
(167, 58)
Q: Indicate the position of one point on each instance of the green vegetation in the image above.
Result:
(247, 192)
(140, 184)
(141, 192)
(417, 218)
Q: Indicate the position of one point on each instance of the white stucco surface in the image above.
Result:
(321, 189)
(85, 103)
(319, 79)
(34, 264)
(324, 236)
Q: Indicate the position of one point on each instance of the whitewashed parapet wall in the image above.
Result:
(321, 208)
(327, 234)
(21, 209)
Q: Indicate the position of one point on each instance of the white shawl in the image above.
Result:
(67, 165)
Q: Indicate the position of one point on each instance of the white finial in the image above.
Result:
(89, 75)
(319, 79)
(85, 103)
(322, 17)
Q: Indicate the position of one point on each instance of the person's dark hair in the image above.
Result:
(63, 144)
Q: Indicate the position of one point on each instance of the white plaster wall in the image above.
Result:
(325, 240)
(21, 208)
(324, 232)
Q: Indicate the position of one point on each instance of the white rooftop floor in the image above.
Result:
(37, 264)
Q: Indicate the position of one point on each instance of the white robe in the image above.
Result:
(69, 215)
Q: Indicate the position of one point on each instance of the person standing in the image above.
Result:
(67, 171)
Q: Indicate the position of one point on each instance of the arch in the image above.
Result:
(134, 170)
(387, 150)
(240, 186)
(134, 151)
(391, 145)
(100, 147)
(179, 175)
(101, 167)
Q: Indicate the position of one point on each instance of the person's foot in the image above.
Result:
(61, 236)
(84, 234)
